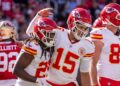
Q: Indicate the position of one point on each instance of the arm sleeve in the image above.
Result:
(84, 65)
(96, 34)
(30, 48)
(86, 58)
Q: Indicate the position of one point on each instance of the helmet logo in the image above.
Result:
(110, 9)
(41, 23)
(81, 51)
(75, 14)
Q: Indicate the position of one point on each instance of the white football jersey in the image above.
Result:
(40, 64)
(109, 62)
(68, 57)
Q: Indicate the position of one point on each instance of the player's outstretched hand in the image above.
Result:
(45, 12)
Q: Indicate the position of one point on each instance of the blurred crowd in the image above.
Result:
(21, 12)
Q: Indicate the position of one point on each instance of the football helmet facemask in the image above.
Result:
(79, 21)
(44, 30)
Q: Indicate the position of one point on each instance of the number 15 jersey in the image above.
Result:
(68, 57)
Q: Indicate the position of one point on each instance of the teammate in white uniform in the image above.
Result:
(106, 61)
(33, 61)
(9, 50)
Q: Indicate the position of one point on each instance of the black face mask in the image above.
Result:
(41, 43)
(118, 32)
(45, 48)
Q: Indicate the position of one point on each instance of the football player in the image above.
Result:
(33, 61)
(9, 49)
(72, 50)
(105, 64)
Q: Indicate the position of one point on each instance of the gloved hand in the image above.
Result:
(46, 12)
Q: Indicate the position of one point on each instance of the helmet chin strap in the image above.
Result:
(76, 36)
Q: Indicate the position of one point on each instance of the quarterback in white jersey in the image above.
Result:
(67, 59)
(33, 61)
(106, 60)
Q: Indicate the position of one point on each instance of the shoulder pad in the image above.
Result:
(30, 47)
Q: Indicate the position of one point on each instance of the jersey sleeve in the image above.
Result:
(86, 58)
(85, 65)
(29, 47)
(96, 34)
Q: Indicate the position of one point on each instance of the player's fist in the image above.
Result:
(45, 12)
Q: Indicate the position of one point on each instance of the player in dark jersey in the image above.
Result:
(9, 49)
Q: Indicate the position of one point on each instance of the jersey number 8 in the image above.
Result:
(114, 54)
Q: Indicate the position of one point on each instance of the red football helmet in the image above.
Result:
(79, 16)
(111, 14)
(44, 30)
(7, 30)
(98, 23)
